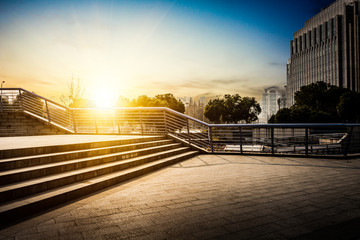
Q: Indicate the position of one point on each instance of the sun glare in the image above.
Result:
(103, 97)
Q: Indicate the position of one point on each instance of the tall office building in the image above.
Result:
(326, 49)
(273, 99)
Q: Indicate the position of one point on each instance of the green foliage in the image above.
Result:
(81, 103)
(349, 107)
(214, 110)
(162, 100)
(321, 103)
(232, 109)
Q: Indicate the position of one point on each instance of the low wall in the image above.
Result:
(22, 124)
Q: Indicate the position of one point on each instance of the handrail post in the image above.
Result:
(141, 123)
(348, 142)
(272, 140)
(241, 143)
(47, 110)
(188, 130)
(211, 140)
(73, 119)
(21, 101)
(165, 122)
(96, 125)
(1, 101)
(306, 141)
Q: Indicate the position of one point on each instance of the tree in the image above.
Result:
(320, 97)
(82, 103)
(214, 110)
(122, 102)
(321, 103)
(74, 92)
(171, 102)
(232, 109)
(348, 108)
(163, 100)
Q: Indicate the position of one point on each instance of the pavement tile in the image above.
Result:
(211, 196)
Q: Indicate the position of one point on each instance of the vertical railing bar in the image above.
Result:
(141, 123)
(165, 121)
(1, 101)
(306, 141)
(241, 143)
(118, 124)
(21, 101)
(272, 140)
(47, 110)
(211, 140)
(348, 142)
(74, 122)
(96, 124)
(188, 130)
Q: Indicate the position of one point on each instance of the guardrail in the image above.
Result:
(279, 139)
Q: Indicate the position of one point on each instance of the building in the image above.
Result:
(272, 100)
(326, 49)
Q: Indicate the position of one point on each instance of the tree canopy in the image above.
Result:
(232, 109)
(321, 103)
(162, 100)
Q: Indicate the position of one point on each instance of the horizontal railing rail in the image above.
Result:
(281, 139)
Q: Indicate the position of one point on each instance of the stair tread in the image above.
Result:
(44, 166)
(51, 193)
(83, 170)
(78, 151)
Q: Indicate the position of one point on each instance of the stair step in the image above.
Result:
(22, 174)
(34, 160)
(17, 190)
(21, 152)
(31, 204)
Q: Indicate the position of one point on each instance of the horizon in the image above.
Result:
(122, 48)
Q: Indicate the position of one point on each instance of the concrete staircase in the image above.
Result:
(34, 179)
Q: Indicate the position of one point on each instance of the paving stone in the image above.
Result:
(212, 196)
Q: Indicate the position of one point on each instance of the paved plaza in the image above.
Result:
(215, 197)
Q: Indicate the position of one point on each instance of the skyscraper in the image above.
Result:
(326, 49)
(271, 102)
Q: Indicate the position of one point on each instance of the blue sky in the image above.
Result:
(130, 48)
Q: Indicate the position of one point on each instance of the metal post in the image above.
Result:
(141, 124)
(272, 140)
(118, 124)
(188, 130)
(241, 143)
(47, 110)
(1, 97)
(348, 142)
(165, 122)
(306, 141)
(21, 101)
(211, 140)
(73, 118)
(96, 125)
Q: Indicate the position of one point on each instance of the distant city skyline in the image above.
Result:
(131, 48)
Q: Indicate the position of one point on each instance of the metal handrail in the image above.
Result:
(304, 139)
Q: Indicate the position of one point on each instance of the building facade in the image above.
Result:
(326, 49)
(272, 100)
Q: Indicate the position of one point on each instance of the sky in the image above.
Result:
(130, 48)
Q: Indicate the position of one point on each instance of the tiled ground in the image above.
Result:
(216, 197)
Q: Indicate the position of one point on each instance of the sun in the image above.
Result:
(104, 97)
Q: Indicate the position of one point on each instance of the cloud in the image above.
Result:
(277, 64)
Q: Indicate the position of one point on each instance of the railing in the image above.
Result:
(279, 139)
